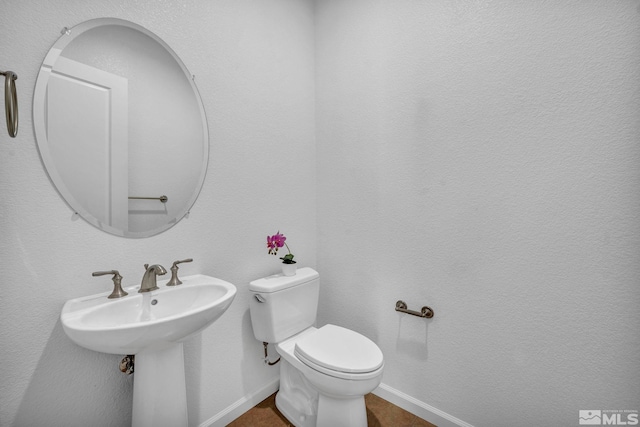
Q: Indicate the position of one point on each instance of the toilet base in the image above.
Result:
(305, 406)
(343, 412)
(296, 398)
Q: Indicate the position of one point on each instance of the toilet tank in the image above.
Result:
(281, 306)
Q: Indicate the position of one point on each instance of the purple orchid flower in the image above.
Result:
(277, 241)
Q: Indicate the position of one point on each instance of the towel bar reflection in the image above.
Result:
(11, 102)
(426, 311)
(163, 199)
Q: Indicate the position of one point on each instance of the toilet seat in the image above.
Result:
(340, 352)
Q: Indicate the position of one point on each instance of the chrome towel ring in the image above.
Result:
(11, 102)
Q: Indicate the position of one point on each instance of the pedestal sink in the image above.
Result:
(153, 326)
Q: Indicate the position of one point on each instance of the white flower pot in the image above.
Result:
(288, 269)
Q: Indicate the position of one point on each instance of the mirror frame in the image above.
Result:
(39, 124)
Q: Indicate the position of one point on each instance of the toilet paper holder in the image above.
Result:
(426, 311)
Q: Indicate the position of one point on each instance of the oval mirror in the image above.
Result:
(120, 127)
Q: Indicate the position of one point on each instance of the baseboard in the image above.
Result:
(390, 394)
(230, 413)
(418, 408)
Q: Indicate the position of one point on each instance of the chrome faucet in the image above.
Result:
(149, 279)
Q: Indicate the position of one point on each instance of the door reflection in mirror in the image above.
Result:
(117, 114)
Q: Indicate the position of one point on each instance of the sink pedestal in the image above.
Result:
(159, 390)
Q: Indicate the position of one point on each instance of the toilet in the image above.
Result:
(324, 372)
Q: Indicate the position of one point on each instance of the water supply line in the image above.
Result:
(266, 355)
(127, 364)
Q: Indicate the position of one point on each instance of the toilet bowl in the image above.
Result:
(340, 372)
(324, 372)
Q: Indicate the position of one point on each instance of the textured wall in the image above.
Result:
(483, 158)
(479, 157)
(253, 62)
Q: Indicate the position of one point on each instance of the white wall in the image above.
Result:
(253, 62)
(478, 157)
(483, 158)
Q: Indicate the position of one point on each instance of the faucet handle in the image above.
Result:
(118, 292)
(175, 263)
(174, 272)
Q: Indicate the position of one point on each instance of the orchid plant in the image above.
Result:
(277, 241)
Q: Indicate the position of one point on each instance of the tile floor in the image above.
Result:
(380, 413)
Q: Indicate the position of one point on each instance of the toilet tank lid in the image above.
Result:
(278, 282)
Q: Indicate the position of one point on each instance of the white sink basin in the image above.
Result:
(138, 321)
(151, 325)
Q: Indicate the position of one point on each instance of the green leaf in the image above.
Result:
(287, 257)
